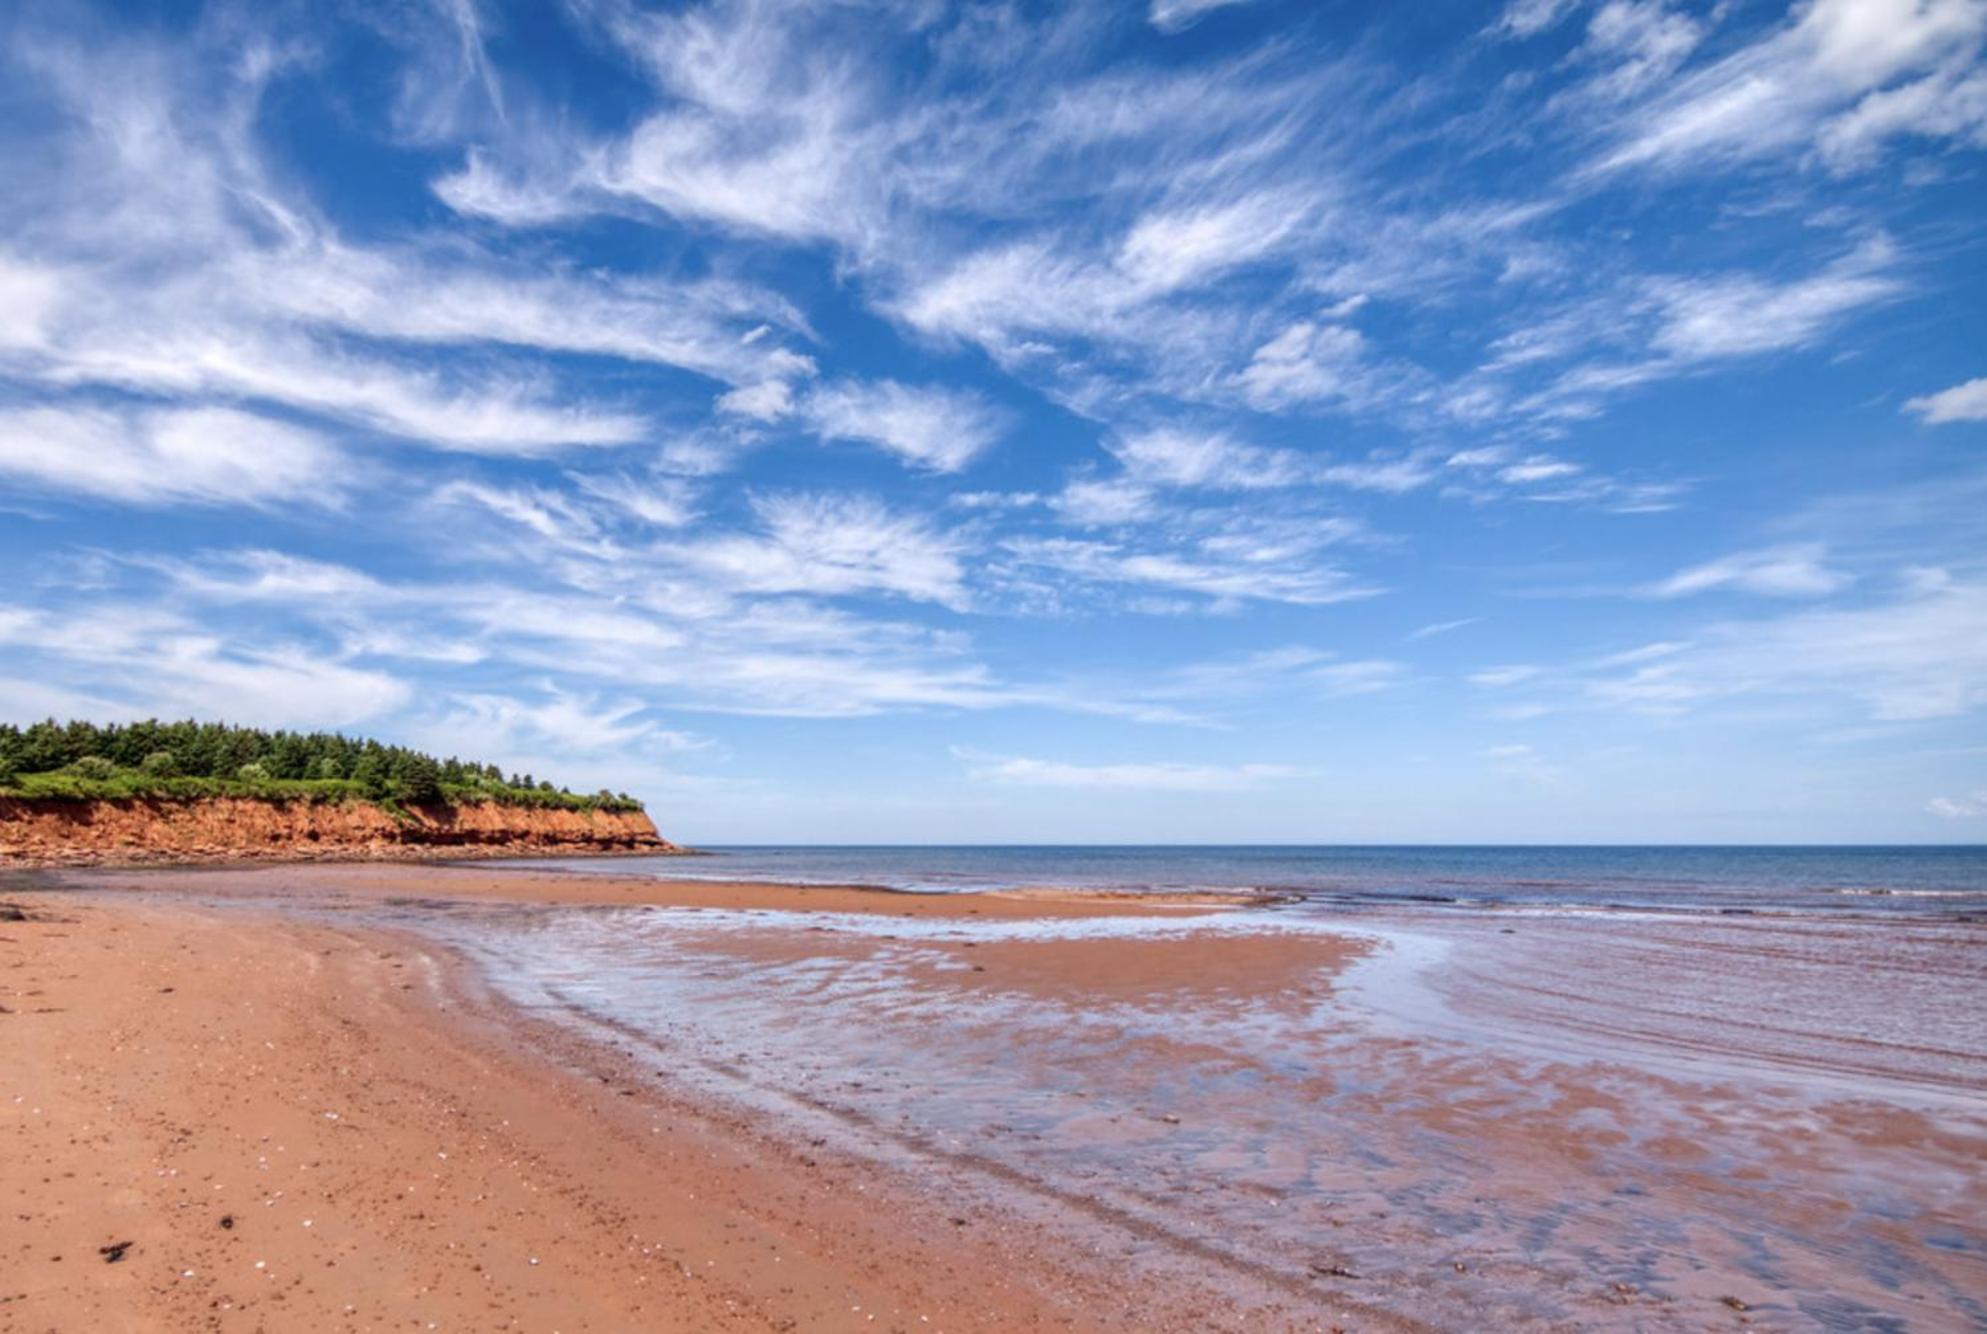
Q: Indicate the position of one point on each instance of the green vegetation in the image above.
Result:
(81, 761)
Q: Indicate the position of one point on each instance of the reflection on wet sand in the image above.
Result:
(1457, 1116)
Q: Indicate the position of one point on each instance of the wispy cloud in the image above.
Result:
(170, 665)
(934, 428)
(167, 456)
(1509, 675)
(1148, 776)
(829, 544)
(1170, 456)
(1225, 568)
(1799, 571)
(1918, 655)
(1176, 15)
(1969, 807)
(1529, 18)
(1703, 319)
(1962, 403)
(1435, 628)
(1840, 78)
(156, 252)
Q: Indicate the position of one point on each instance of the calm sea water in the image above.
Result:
(1935, 881)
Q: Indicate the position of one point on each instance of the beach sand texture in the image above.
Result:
(305, 1102)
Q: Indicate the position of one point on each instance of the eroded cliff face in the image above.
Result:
(241, 828)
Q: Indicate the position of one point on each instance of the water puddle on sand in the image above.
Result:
(1488, 1118)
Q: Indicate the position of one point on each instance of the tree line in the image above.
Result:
(84, 759)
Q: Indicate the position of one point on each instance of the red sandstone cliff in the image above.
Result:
(238, 828)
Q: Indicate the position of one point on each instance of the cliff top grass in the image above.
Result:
(190, 761)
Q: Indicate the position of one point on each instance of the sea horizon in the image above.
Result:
(693, 849)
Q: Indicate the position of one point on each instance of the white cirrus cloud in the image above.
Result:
(435, 296)
(158, 249)
(832, 545)
(766, 401)
(1149, 776)
(660, 502)
(262, 575)
(1171, 16)
(1529, 18)
(170, 456)
(1496, 678)
(1634, 44)
(1962, 403)
(1841, 77)
(1309, 362)
(1704, 319)
(1170, 456)
(938, 429)
(1654, 328)
(552, 719)
(1434, 628)
(169, 665)
(1104, 502)
(1229, 568)
(1279, 675)
(1798, 570)
(1969, 807)
(1921, 655)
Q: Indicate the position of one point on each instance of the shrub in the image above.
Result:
(95, 768)
(252, 772)
(161, 764)
(327, 770)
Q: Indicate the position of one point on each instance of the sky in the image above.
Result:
(1181, 421)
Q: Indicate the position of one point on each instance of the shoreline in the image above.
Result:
(471, 881)
(190, 1067)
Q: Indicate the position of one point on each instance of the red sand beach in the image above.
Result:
(376, 1097)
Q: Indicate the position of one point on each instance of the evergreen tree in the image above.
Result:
(127, 758)
(370, 774)
(418, 779)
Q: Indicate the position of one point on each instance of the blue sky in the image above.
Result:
(915, 422)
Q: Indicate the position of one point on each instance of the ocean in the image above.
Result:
(1922, 881)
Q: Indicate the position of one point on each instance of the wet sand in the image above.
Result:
(302, 1126)
(986, 1111)
(377, 881)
